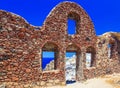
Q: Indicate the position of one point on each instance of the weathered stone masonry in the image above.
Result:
(21, 47)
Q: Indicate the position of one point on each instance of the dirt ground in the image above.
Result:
(107, 81)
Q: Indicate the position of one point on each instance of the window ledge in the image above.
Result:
(90, 68)
(51, 71)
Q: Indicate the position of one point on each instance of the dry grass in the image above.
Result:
(105, 81)
(114, 80)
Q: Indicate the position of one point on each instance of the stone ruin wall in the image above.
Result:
(21, 48)
(104, 63)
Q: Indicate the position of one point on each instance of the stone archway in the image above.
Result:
(57, 20)
(72, 62)
(50, 53)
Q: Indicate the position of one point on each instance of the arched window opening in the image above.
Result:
(73, 20)
(49, 56)
(90, 57)
(72, 63)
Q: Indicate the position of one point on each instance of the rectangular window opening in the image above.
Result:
(48, 58)
(109, 50)
(71, 26)
(88, 60)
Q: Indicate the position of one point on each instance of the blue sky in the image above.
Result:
(105, 14)
(70, 54)
(51, 54)
(71, 26)
(48, 54)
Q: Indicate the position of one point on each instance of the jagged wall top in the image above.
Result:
(55, 21)
(10, 21)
